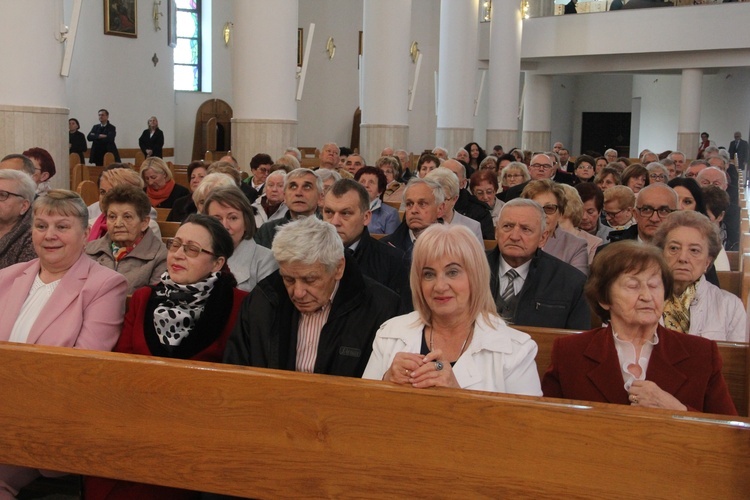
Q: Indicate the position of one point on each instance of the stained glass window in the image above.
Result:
(187, 53)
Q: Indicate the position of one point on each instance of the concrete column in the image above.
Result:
(33, 102)
(264, 56)
(688, 132)
(457, 70)
(387, 70)
(537, 112)
(504, 74)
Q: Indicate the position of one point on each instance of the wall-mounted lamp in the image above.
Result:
(330, 48)
(486, 11)
(156, 15)
(227, 32)
(414, 51)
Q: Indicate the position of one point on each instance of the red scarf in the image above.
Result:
(158, 196)
(98, 228)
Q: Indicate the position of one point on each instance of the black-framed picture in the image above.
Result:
(121, 18)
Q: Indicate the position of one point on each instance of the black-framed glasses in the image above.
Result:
(190, 249)
(541, 166)
(657, 177)
(550, 209)
(612, 215)
(4, 195)
(647, 211)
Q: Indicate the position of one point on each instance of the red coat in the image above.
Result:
(137, 338)
(586, 367)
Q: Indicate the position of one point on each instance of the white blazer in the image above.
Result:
(498, 359)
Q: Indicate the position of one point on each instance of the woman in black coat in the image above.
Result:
(151, 141)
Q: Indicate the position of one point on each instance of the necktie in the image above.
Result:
(509, 291)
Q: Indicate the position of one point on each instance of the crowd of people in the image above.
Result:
(316, 271)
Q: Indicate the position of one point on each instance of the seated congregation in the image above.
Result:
(317, 271)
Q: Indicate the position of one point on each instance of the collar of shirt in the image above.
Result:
(522, 270)
(375, 204)
(626, 355)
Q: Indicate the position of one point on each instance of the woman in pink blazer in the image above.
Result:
(63, 298)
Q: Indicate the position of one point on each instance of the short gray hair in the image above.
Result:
(308, 240)
(447, 179)
(215, 180)
(62, 202)
(28, 165)
(695, 220)
(301, 172)
(610, 150)
(515, 165)
(324, 174)
(436, 187)
(676, 153)
(277, 173)
(26, 186)
(295, 152)
(525, 202)
(655, 165)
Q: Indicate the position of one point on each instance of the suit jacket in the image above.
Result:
(401, 239)
(552, 295)
(85, 310)
(740, 150)
(99, 147)
(470, 206)
(586, 367)
(153, 142)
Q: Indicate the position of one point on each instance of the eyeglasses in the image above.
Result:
(190, 249)
(550, 209)
(541, 166)
(584, 167)
(612, 215)
(657, 177)
(513, 176)
(661, 212)
(4, 195)
(263, 170)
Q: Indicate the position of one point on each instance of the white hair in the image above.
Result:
(308, 240)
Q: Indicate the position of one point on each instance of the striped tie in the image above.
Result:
(509, 292)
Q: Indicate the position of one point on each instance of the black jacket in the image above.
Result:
(400, 239)
(383, 263)
(265, 334)
(470, 206)
(560, 178)
(552, 295)
(99, 147)
(155, 143)
(181, 208)
(179, 191)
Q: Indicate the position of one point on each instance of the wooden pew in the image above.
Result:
(168, 229)
(88, 191)
(736, 358)
(162, 214)
(731, 281)
(735, 262)
(264, 433)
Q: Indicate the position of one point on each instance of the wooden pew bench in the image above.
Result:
(736, 358)
(264, 433)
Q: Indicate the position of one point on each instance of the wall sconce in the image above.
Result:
(414, 51)
(330, 48)
(486, 11)
(525, 9)
(156, 14)
(227, 32)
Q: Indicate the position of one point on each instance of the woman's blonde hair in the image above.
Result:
(156, 164)
(460, 244)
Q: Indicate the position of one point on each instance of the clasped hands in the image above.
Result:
(421, 371)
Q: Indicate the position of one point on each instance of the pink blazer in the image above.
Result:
(85, 310)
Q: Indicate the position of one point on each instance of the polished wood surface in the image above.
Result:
(271, 434)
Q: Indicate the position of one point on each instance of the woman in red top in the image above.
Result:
(188, 315)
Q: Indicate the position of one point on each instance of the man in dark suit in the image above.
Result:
(425, 203)
(347, 207)
(565, 164)
(738, 148)
(102, 137)
(531, 287)
(542, 167)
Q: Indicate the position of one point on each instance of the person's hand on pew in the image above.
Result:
(648, 394)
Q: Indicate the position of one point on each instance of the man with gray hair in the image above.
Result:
(469, 205)
(447, 179)
(302, 194)
(17, 192)
(440, 152)
(294, 152)
(530, 286)
(720, 159)
(317, 313)
(424, 202)
(18, 162)
(715, 176)
(678, 157)
(738, 149)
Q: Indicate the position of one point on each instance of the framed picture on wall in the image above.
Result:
(121, 18)
(300, 36)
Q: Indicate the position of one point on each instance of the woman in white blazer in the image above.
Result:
(454, 338)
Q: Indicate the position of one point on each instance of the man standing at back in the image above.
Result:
(738, 148)
(102, 137)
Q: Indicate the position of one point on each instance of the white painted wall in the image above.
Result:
(116, 73)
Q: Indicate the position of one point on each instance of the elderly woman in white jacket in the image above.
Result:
(454, 338)
(690, 242)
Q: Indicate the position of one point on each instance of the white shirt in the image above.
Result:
(522, 270)
(626, 356)
(36, 300)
